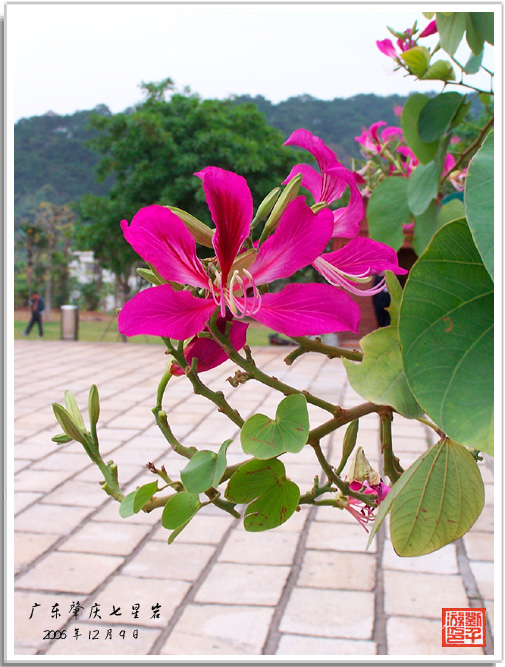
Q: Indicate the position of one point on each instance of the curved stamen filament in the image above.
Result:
(224, 295)
(340, 278)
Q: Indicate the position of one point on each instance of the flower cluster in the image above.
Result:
(235, 282)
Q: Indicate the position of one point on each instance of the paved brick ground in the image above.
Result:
(307, 588)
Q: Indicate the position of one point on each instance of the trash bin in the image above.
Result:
(69, 322)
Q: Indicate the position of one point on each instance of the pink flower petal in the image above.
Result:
(430, 29)
(300, 237)
(163, 240)
(391, 133)
(364, 257)
(304, 139)
(375, 128)
(163, 311)
(209, 353)
(308, 309)
(386, 47)
(346, 220)
(231, 207)
(311, 180)
(449, 163)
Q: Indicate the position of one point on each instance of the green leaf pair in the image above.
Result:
(205, 469)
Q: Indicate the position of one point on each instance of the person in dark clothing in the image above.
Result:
(381, 301)
(36, 309)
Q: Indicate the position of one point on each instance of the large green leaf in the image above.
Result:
(446, 335)
(454, 209)
(423, 186)
(439, 502)
(179, 509)
(473, 63)
(473, 39)
(143, 495)
(410, 120)
(388, 211)
(265, 438)
(483, 22)
(426, 225)
(274, 497)
(198, 475)
(479, 201)
(451, 28)
(441, 70)
(435, 117)
(417, 60)
(379, 377)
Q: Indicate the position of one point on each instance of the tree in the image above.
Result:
(153, 151)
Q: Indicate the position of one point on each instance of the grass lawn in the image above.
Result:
(105, 330)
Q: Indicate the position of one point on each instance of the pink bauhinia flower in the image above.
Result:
(230, 282)
(373, 143)
(430, 29)
(328, 185)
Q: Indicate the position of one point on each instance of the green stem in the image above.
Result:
(329, 350)
(265, 379)
(476, 144)
(162, 422)
(435, 428)
(344, 417)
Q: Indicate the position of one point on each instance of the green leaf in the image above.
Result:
(73, 410)
(198, 475)
(473, 39)
(220, 463)
(410, 121)
(178, 530)
(438, 503)
(446, 335)
(483, 22)
(441, 70)
(453, 210)
(485, 99)
(436, 115)
(423, 186)
(143, 495)
(126, 507)
(428, 15)
(379, 377)
(417, 60)
(451, 29)
(265, 438)
(388, 211)
(180, 509)
(274, 497)
(426, 225)
(479, 201)
(473, 63)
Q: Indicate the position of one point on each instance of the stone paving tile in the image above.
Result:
(327, 613)
(219, 630)
(29, 632)
(50, 519)
(39, 480)
(243, 584)
(479, 546)
(34, 451)
(337, 570)
(110, 512)
(419, 636)
(484, 577)
(74, 493)
(269, 548)
(201, 530)
(123, 592)
(22, 500)
(28, 546)
(88, 643)
(339, 537)
(409, 594)
(106, 538)
(69, 572)
(485, 522)
(177, 561)
(63, 461)
(296, 645)
(443, 561)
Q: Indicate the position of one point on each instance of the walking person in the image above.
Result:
(37, 307)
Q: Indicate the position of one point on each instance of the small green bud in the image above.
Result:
(93, 405)
(73, 410)
(61, 439)
(289, 193)
(68, 425)
(350, 438)
(198, 229)
(266, 206)
(149, 275)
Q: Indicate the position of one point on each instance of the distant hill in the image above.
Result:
(54, 162)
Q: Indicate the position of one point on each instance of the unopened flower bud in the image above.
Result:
(349, 443)
(266, 206)
(67, 424)
(361, 470)
(93, 405)
(289, 193)
(73, 410)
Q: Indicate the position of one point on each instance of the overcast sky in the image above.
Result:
(66, 57)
